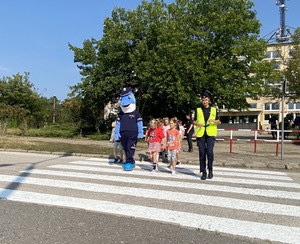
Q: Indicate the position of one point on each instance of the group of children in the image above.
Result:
(164, 138)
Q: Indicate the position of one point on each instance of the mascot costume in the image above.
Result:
(129, 126)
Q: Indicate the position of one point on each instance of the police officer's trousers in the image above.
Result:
(206, 151)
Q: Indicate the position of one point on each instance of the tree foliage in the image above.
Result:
(292, 71)
(20, 103)
(169, 53)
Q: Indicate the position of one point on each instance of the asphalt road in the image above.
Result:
(31, 223)
(67, 199)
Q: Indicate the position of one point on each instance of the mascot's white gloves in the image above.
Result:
(140, 129)
(117, 132)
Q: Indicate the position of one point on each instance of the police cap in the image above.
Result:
(125, 91)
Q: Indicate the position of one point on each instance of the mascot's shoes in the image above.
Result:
(128, 166)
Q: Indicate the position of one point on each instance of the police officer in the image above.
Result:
(273, 123)
(206, 120)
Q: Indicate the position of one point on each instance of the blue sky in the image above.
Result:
(35, 35)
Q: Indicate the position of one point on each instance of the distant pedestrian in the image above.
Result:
(181, 131)
(206, 121)
(297, 125)
(273, 122)
(155, 139)
(189, 132)
(173, 144)
(286, 123)
(117, 146)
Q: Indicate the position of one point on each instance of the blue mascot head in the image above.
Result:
(127, 100)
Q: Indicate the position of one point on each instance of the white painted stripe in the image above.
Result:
(251, 175)
(250, 171)
(107, 160)
(187, 169)
(193, 166)
(271, 232)
(239, 204)
(179, 176)
(165, 183)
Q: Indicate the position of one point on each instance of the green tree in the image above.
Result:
(169, 53)
(292, 71)
(21, 105)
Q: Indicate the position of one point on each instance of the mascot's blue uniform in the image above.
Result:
(129, 126)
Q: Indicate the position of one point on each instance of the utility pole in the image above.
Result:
(282, 116)
(54, 110)
(282, 35)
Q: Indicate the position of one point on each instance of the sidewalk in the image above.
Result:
(242, 153)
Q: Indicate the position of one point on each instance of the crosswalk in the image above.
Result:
(251, 203)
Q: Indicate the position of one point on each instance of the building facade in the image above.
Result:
(259, 111)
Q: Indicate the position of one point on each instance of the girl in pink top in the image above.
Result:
(155, 139)
(173, 144)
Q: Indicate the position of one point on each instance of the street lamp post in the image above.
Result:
(54, 112)
(282, 116)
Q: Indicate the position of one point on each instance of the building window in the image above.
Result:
(294, 106)
(271, 54)
(292, 53)
(275, 83)
(252, 105)
(239, 119)
(268, 116)
(271, 106)
(277, 65)
(267, 106)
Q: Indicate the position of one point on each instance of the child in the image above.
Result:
(173, 144)
(117, 145)
(166, 126)
(154, 137)
(160, 127)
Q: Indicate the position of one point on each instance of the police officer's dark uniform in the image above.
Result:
(273, 123)
(206, 121)
(189, 132)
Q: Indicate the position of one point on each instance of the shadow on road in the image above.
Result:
(21, 178)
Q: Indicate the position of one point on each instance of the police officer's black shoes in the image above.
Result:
(203, 177)
(210, 174)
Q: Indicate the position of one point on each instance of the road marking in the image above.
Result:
(271, 232)
(180, 176)
(203, 186)
(224, 202)
(187, 169)
(196, 167)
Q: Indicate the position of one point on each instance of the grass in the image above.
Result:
(12, 140)
(62, 131)
(14, 143)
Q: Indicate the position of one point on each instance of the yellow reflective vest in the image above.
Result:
(211, 128)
